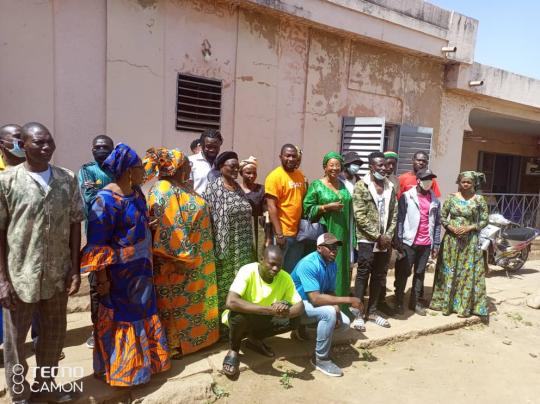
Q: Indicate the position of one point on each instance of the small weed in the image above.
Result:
(433, 313)
(219, 391)
(514, 316)
(286, 379)
(368, 356)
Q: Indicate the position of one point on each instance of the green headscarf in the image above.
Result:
(477, 177)
(332, 155)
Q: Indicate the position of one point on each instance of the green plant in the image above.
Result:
(368, 356)
(219, 391)
(286, 378)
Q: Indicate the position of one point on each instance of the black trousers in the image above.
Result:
(372, 266)
(94, 297)
(416, 256)
(242, 325)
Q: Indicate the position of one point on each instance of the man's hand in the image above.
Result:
(434, 253)
(384, 242)
(73, 282)
(281, 309)
(8, 297)
(357, 303)
(280, 241)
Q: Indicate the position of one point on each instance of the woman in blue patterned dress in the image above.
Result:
(130, 344)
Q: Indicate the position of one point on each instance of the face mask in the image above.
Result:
(17, 151)
(101, 155)
(426, 184)
(353, 168)
(378, 176)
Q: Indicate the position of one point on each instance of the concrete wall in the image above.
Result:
(52, 70)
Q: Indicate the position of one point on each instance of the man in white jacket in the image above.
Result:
(418, 237)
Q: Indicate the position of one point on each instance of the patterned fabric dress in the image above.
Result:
(184, 268)
(460, 284)
(337, 223)
(130, 341)
(233, 235)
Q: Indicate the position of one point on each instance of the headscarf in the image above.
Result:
(389, 154)
(121, 158)
(162, 162)
(250, 161)
(477, 177)
(223, 157)
(332, 155)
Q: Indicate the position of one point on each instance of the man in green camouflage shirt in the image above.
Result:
(40, 230)
(375, 213)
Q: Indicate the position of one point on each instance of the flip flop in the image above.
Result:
(263, 349)
(232, 361)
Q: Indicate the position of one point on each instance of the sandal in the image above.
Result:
(358, 324)
(379, 320)
(263, 349)
(231, 365)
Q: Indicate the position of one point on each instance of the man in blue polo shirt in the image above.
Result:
(315, 280)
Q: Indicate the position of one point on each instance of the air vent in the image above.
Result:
(198, 104)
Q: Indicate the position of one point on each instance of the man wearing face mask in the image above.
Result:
(92, 177)
(10, 146)
(349, 175)
(408, 180)
(418, 235)
(375, 212)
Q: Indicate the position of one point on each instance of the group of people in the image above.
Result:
(177, 270)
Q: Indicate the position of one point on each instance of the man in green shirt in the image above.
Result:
(40, 234)
(263, 302)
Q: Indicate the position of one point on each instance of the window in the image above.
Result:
(362, 135)
(198, 103)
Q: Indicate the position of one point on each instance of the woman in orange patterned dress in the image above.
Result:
(183, 253)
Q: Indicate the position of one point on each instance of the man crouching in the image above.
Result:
(262, 302)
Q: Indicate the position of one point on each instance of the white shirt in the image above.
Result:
(200, 167)
(42, 178)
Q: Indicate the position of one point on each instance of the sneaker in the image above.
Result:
(90, 342)
(327, 367)
(420, 310)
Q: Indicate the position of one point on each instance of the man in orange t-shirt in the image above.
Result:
(285, 188)
(408, 180)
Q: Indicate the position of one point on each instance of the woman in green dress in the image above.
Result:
(460, 284)
(329, 202)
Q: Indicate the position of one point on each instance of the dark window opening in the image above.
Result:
(198, 103)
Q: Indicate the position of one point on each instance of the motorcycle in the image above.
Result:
(505, 243)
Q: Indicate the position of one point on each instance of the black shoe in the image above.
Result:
(420, 310)
(400, 310)
(386, 309)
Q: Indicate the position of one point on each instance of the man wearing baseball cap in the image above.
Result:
(418, 237)
(315, 280)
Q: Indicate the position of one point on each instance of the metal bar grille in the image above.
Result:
(362, 135)
(198, 103)
(519, 208)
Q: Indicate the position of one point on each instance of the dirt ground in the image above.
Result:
(498, 363)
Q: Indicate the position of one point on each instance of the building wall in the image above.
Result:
(52, 71)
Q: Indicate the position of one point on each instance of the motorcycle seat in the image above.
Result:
(520, 234)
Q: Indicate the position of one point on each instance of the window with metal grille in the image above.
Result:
(198, 103)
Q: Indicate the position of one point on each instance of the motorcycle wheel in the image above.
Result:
(523, 256)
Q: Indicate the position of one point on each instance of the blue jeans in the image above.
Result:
(326, 317)
(293, 252)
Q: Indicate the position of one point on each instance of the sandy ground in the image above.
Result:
(499, 363)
